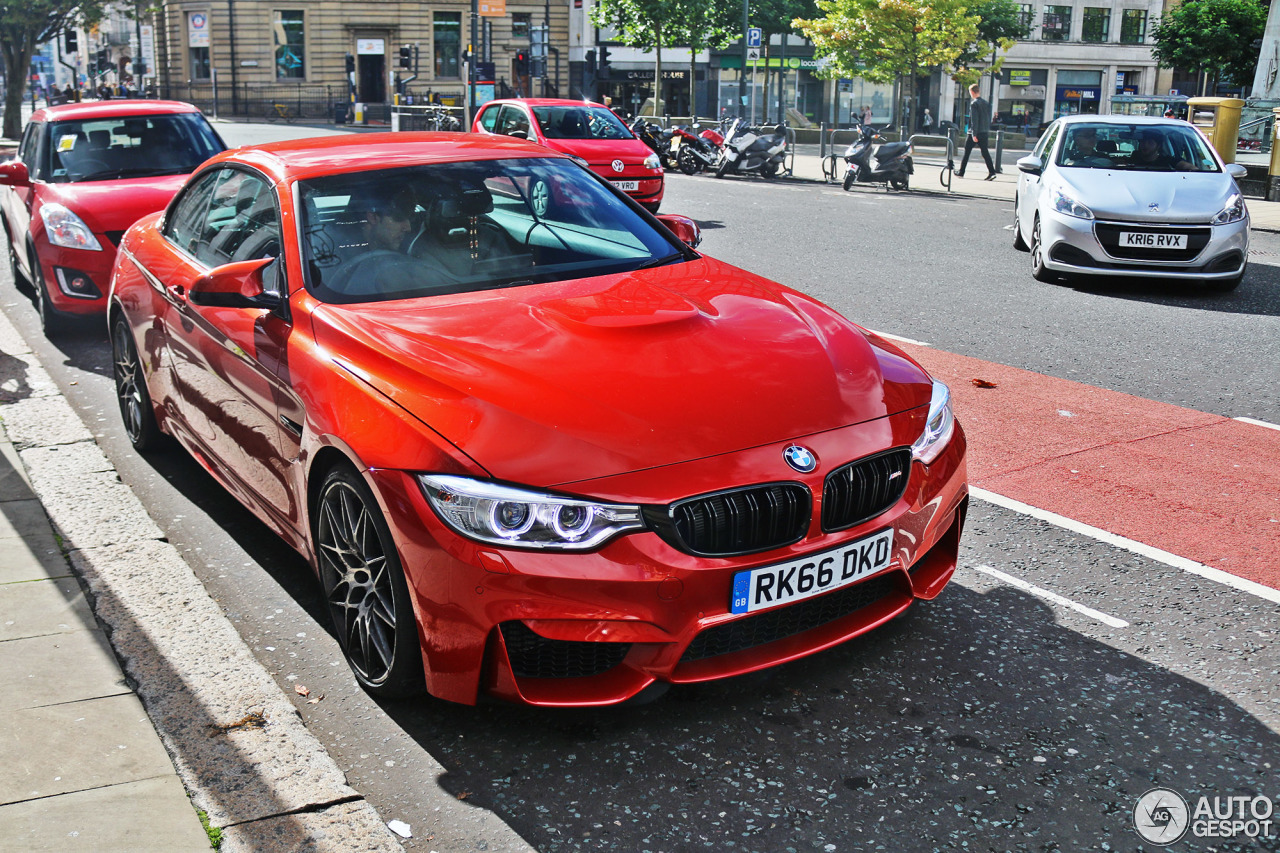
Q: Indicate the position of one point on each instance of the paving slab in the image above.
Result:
(92, 821)
(57, 668)
(35, 557)
(78, 746)
(22, 518)
(41, 608)
(106, 511)
(43, 420)
(345, 826)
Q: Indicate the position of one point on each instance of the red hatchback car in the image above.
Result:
(590, 132)
(84, 173)
(554, 457)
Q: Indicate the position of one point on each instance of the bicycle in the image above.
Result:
(275, 112)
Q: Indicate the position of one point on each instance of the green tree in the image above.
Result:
(1212, 37)
(24, 24)
(646, 24)
(703, 25)
(883, 40)
(776, 18)
(1000, 25)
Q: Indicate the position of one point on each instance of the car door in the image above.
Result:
(1029, 186)
(18, 201)
(226, 360)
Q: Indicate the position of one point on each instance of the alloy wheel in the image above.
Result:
(131, 388)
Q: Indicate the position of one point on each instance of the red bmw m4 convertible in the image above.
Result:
(546, 452)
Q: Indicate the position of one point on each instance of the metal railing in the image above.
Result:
(407, 117)
(944, 177)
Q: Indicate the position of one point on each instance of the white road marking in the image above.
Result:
(897, 338)
(1151, 553)
(1040, 592)
(1257, 423)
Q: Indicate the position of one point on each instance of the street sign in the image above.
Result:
(753, 53)
(753, 37)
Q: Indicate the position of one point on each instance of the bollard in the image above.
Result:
(999, 150)
(1273, 171)
(822, 140)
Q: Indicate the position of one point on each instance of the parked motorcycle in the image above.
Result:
(695, 153)
(873, 160)
(651, 134)
(751, 149)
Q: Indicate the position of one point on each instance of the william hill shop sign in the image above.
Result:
(1075, 93)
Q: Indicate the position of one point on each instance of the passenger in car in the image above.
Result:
(1148, 154)
(1082, 150)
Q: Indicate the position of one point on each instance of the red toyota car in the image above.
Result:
(590, 132)
(558, 458)
(84, 173)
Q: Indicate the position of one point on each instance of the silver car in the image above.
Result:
(1131, 196)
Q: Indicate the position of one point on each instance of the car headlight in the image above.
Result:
(653, 161)
(1234, 211)
(65, 229)
(1064, 203)
(520, 518)
(939, 427)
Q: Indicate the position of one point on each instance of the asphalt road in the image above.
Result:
(990, 719)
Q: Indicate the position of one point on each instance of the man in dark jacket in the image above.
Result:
(979, 127)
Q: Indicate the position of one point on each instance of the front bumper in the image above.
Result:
(1085, 247)
(597, 628)
(77, 280)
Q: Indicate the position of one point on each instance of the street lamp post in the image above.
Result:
(742, 72)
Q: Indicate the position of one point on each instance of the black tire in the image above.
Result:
(901, 184)
(1226, 285)
(136, 410)
(16, 270)
(1038, 270)
(1018, 242)
(365, 589)
(722, 168)
(769, 170)
(849, 177)
(688, 161)
(52, 321)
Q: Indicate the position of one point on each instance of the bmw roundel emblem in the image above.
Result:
(618, 165)
(800, 458)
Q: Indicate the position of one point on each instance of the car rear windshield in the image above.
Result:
(1175, 146)
(580, 122)
(457, 227)
(107, 149)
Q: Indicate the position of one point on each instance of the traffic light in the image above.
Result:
(522, 64)
(406, 57)
(589, 59)
(69, 42)
(351, 64)
(602, 67)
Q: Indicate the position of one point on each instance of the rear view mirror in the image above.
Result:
(235, 285)
(684, 228)
(14, 174)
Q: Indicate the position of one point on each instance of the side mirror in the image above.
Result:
(684, 228)
(1031, 164)
(235, 285)
(1236, 170)
(14, 174)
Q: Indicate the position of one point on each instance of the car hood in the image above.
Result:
(115, 205)
(601, 152)
(1191, 197)
(554, 383)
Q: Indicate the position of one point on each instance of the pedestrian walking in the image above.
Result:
(926, 121)
(866, 115)
(979, 128)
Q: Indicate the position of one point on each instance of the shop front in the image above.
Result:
(793, 85)
(631, 90)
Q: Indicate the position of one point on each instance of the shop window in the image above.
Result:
(520, 23)
(1057, 23)
(290, 46)
(1133, 26)
(200, 63)
(1095, 25)
(446, 32)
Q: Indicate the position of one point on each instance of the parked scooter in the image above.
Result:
(651, 134)
(695, 153)
(872, 160)
(750, 149)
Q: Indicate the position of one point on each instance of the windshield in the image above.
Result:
(580, 122)
(1175, 146)
(455, 227)
(105, 149)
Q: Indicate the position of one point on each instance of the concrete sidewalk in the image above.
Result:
(1263, 215)
(119, 727)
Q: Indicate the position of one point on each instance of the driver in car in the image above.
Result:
(1083, 150)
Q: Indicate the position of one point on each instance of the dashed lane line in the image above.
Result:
(1040, 592)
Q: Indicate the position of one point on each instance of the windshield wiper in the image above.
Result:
(658, 262)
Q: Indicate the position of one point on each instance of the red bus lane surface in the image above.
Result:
(1201, 486)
